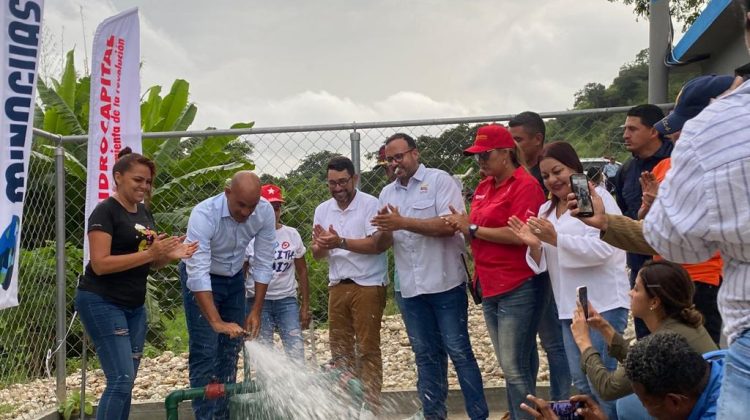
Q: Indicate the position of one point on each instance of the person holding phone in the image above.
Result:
(663, 299)
(575, 256)
(510, 299)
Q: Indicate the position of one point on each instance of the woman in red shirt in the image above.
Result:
(510, 301)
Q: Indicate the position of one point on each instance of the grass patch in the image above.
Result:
(6, 408)
(75, 363)
(176, 334)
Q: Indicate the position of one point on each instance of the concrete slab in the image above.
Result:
(405, 403)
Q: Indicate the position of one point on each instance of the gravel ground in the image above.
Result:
(159, 376)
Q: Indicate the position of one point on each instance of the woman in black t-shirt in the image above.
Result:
(123, 247)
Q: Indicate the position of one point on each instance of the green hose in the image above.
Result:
(174, 398)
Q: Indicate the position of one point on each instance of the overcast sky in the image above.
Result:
(315, 62)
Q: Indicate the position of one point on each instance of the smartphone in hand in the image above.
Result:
(579, 183)
(566, 410)
(582, 294)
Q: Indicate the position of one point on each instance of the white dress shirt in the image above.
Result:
(703, 204)
(222, 242)
(352, 222)
(426, 264)
(582, 259)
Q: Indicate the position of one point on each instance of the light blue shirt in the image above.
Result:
(610, 169)
(222, 242)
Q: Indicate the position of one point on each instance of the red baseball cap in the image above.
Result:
(490, 137)
(381, 155)
(272, 193)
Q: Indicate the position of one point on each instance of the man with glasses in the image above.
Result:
(431, 275)
(280, 307)
(342, 234)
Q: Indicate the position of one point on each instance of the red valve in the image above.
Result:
(214, 391)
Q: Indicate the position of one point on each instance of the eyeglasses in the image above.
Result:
(483, 155)
(332, 183)
(398, 157)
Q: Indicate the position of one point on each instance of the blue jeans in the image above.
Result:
(618, 318)
(284, 315)
(631, 408)
(733, 401)
(213, 356)
(512, 322)
(550, 334)
(437, 324)
(118, 334)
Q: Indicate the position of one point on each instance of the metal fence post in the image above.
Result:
(60, 260)
(354, 137)
(658, 42)
(83, 376)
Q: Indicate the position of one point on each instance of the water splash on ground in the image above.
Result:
(291, 390)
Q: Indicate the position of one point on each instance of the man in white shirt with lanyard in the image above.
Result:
(703, 206)
(431, 275)
(357, 275)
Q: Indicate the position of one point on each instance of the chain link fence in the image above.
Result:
(194, 166)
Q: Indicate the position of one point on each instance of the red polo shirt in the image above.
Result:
(500, 267)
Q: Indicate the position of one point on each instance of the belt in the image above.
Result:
(347, 281)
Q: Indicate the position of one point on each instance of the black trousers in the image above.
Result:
(705, 301)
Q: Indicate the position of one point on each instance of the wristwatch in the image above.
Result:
(342, 243)
(473, 230)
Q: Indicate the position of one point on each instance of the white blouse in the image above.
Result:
(582, 259)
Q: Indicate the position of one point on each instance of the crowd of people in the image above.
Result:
(669, 248)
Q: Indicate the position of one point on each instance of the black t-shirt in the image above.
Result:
(131, 232)
(537, 173)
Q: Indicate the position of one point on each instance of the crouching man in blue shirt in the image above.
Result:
(672, 380)
(213, 285)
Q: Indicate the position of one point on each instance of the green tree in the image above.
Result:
(600, 135)
(684, 11)
(188, 171)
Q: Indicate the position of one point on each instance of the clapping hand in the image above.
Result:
(183, 249)
(163, 246)
(523, 231)
(458, 221)
(649, 184)
(388, 219)
(543, 229)
(326, 239)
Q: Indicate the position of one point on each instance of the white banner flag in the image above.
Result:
(20, 38)
(114, 110)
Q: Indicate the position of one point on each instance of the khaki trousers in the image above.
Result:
(354, 316)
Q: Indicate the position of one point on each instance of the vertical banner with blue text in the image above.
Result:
(20, 38)
(114, 107)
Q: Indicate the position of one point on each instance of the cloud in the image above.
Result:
(291, 63)
(325, 108)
